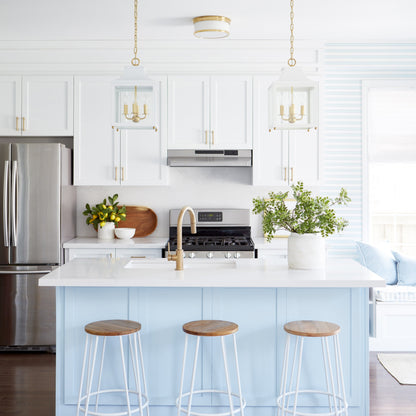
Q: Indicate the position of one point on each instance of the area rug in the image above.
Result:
(402, 366)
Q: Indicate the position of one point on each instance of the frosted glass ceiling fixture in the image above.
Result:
(211, 27)
(293, 99)
(135, 92)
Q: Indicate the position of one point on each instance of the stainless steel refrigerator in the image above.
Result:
(36, 217)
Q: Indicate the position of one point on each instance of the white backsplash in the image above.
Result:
(197, 187)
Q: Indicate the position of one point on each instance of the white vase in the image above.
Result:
(106, 232)
(306, 251)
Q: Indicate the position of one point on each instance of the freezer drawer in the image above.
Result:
(27, 311)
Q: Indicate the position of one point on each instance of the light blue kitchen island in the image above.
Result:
(259, 295)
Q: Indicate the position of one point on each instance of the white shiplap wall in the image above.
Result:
(345, 67)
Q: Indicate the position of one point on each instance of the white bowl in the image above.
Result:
(124, 233)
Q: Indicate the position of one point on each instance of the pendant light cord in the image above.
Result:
(292, 61)
(136, 61)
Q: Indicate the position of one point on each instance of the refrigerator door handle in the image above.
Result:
(5, 203)
(13, 198)
(25, 271)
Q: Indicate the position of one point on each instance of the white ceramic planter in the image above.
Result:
(306, 251)
(106, 232)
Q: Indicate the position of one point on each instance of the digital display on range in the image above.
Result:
(214, 216)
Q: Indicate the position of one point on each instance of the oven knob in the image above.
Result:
(237, 255)
(210, 255)
(191, 255)
(227, 255)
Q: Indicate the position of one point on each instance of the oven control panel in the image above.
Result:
(210, 216)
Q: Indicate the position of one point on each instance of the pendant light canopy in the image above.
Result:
(135, 92)
(293, 99)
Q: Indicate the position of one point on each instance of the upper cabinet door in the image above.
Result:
(231, 112)
(94, 138)
(188, 112)
(10, 105)
(47, 106)
(304, 156)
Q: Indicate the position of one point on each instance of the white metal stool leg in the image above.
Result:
(99, 376)
(143, 372)
(135, 365)
(227, 377)
(191, 392)
(125, 376)
(238, 376)
(182, 375)
(331, 377)
(90, 375)
(324, 357)
(84, 361)
(298, 376)
(341, 375)
(283, 381)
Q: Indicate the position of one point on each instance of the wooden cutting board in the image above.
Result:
(143, 219)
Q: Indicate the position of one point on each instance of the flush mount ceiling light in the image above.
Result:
(293, 99)
(211, 27)
(135, 92)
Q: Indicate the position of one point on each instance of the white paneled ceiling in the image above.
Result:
(326, 20)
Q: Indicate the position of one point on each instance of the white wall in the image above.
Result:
(197, 187)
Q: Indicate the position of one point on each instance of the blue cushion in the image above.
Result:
(378, 260)
(406, 270)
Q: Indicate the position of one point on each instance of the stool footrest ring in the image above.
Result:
(236, 409)
(135, 408)
(341, 405)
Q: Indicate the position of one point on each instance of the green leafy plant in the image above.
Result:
(103, 212)
(311, 214)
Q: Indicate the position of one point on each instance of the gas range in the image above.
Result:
(221, 233)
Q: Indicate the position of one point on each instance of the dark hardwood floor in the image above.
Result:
(27, 387)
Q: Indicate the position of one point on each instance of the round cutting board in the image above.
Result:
(143, 219)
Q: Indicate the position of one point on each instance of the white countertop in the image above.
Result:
(203, 273)
(93, 242)
(158, 242)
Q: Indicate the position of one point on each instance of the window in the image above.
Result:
(391, 164)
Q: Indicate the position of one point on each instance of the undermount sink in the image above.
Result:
(163, 264)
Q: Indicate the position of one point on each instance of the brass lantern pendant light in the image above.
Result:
(293, 99)
(135, 92)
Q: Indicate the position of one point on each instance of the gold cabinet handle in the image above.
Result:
(212, 136)
(206, 136)
(122, 173)
(291, 174)
(17, 123)
(285, 174)
(116, 171)
(23, 124)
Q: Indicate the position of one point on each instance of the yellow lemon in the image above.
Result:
(94, 217)
(102, 223)
(123, 215)
(112, 217)
(104, 207)
(117, 219)
(91, 220)
(110, 207)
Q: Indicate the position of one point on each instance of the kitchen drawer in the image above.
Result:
(72, 253)
(139, 252)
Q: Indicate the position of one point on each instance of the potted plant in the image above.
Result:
(105, 217)
(309, 220)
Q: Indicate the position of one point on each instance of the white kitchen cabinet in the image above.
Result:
(281, 158)
(208, 112)
(36, 105)
(96, 253)
(111, 253)
(107, 155)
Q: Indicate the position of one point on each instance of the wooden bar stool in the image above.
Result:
(337, 403)
(101, 330)
(211, 328)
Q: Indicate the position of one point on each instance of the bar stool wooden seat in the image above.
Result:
(211, 328)
(98, 332)
(337, 403)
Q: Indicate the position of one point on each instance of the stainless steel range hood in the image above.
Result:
(186, 157)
